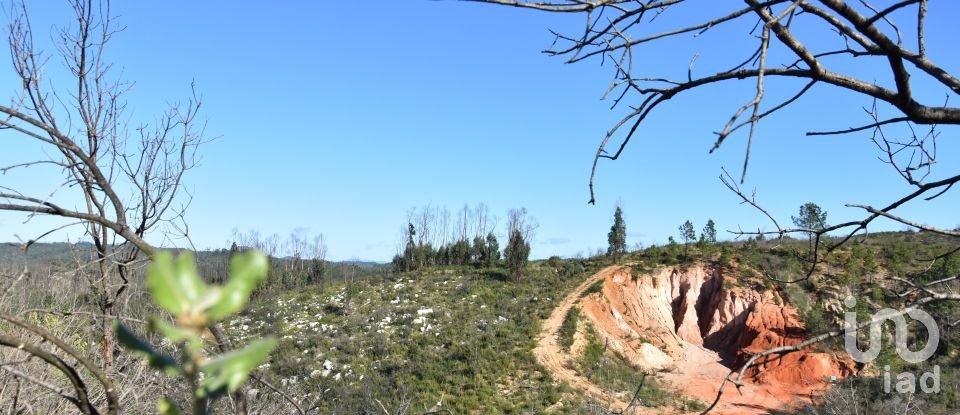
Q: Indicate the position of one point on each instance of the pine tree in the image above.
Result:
(709, 233)
(460, 252)
(478, 250)
(617, 237)
(688, 234)
(493, 251)
(517, 253)
(811, 218)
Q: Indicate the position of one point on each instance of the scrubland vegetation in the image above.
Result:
(457, 335)
(357, 339)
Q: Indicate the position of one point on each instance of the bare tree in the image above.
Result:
(482, 217)
(318, 258)
(463, 223)
(122, 183)
(318, 248)
(425, 222)
(296, 247)
(520, 232)
(518, 220)
(444, 236)
(270, 245)
(788, 51)
(128, 180)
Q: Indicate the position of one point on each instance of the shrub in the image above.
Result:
(569, 328)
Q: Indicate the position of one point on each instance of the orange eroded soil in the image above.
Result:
(690, 328)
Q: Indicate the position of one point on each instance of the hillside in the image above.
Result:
(574, 336)
(457, 335)
(469, 340)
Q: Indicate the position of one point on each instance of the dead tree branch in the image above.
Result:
(622, 29)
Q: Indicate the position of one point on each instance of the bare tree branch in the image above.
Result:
(112, 403)
(605, 38)
(861, 128)
(917, 225)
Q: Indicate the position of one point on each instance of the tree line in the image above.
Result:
(432, 237)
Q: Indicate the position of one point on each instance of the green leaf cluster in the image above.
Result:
(176, 286)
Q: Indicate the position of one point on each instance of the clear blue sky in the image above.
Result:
(338, 117)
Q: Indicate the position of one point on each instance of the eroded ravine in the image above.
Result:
(690, 327)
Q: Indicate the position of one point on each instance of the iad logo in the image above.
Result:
(906, 381)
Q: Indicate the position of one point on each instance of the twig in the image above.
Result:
(281, 393)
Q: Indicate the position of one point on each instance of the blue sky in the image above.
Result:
(338, 118)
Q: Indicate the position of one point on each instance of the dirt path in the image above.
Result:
(554, 358)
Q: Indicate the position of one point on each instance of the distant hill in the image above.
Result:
(63, 252)
(360, 263)
(55, 252)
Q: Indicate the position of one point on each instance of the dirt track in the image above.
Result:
(552, 356)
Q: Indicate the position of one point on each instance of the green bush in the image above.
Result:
(568, 328)
(596, 287)
(614, 374)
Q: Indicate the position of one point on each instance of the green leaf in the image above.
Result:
(246, 271)
(167, 407)
(163, 286)
(134, 343)
(186, 273)
(209, 298)
(174, 285)
(225, 373)
(176, 334)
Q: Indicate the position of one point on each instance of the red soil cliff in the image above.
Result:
(694, 324)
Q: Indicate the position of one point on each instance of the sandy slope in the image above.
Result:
(551, 355)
